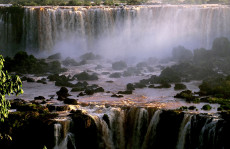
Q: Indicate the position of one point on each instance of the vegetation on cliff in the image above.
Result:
(8, 85)
(28, 64)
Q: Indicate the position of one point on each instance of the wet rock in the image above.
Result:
(130, 87)
(23, 78)
(62, 93)
(30, 80)
(58, 107)
(39, 98)
(28, 64)
(51, 96)
(187, 94)
(164, 85)
(117, 96)
(183, 108)
(41, 81)
(16, 103)
(106, 119)
(85, 130)
(99, 89)
(191, 107)
(81, 94)
(85, 76)
(32, 107)
(61, 80)
(179, 86)
(125, 92)
(55, 56)
(71, 101)
(89, 92)
(77, 89)
(139, 85)
(119, 65)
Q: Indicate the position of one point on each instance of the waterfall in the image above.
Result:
(208, 133)
(184, 129)
(141, 128)
(151, 132)
(128, 30)
(63, 137)
(57, 133)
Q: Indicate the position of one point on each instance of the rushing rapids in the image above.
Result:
(142, 128)
(152, 29)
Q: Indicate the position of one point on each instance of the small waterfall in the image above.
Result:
(208, 133)
(104, 132)
(57, 133)
(151, 132)
(64, 144)
(184, 129)
(64, 139)
(140, 128)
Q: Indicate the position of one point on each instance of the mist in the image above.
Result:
(133, 31)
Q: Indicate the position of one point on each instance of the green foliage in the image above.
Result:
(24, 63)
(218, 87)
(8, 85)
(207, 107)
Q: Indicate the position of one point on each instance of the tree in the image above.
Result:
(8, 85)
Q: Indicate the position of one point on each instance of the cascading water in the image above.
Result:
(57, 133)
(136, 128)
(184, 129)
(127, 30)
(63, 137)
(151, 131)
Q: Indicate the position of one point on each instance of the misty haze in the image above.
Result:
(135, 74)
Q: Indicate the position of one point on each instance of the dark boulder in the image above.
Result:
(125, 92)
(71, 101)
(99, 89)
(62, 93)
(119, 65)
(39, 98)
(179, 86)
(85, 76)
(30, 80)
(117, 96)
(130, 87)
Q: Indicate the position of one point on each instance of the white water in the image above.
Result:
(151, 131)
(184, 129)
(121, 31)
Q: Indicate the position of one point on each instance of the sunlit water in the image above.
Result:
(146, 97)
